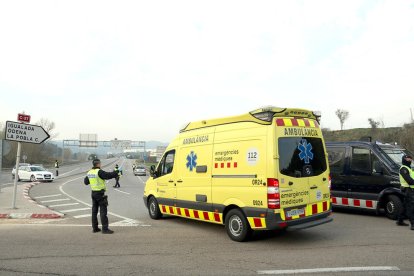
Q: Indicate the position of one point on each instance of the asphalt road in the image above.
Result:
(64, 171)
(174, 246)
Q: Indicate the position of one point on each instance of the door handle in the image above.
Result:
(179, 181)
(314, 187)
(171, 181)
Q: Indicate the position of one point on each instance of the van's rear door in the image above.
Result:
(303, 170)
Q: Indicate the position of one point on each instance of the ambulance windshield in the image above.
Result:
(301, 156)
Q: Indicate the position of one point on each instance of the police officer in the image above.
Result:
(57, 167)
(407, 186)
(119, 173)
(96, 179)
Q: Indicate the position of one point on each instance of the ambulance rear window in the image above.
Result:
(301, 156)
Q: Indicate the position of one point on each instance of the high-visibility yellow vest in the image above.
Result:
(402, 180)
(96, 183)
(118, 171)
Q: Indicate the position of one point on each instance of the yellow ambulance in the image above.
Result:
(263, 170)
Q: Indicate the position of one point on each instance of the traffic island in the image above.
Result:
(27, 208)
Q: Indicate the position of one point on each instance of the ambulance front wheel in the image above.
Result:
(237, 226)
(154, 209)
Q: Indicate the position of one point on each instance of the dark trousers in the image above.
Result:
(409, 204)
(117, 182)
(403, 212)
(99, 204)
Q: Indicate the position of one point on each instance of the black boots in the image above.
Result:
(402, 223)
(96, 230)
(107, 231)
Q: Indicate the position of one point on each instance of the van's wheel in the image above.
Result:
(18, 179)
(154, 209)
(393, 206)
(237, 226)
(33, 178)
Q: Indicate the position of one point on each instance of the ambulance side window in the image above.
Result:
(167, 164)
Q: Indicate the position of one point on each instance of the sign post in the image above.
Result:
(16, 176)
(1, 158)
(23, 133)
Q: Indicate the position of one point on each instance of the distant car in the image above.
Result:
(35, 173)
(140, 170)
(20, 165)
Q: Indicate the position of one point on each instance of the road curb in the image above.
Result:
(26, 189)
(29, 216)
(26, 195)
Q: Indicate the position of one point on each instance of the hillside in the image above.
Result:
(382, 134)
(401, 135)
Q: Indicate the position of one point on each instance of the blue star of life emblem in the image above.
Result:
(191, 161)
(305, 153)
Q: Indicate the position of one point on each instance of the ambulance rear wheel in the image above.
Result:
(237, 226)
(154, 209)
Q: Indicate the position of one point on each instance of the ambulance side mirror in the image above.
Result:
(152, 171)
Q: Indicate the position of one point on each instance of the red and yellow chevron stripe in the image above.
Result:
(213, 217)
(310, 210)
(297, 122)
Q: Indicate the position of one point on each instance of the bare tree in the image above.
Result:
(49, 126)
(373, 123)
(342, 115)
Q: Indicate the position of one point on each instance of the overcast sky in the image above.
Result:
(141, 70)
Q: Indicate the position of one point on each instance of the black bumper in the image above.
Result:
(274, 221)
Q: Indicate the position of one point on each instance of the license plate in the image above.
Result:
(295, 212)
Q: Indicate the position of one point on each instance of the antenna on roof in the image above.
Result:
(412, 119)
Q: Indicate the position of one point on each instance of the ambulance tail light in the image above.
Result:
(273, 193)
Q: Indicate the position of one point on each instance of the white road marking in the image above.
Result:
(55, 200)
(127, 223)
(74, 210)
(83, 216)
(7, 184)
(143, 182)
(66, 204)
(116, 189)
(46, 196)
(83, 202)
(43, 224)
(329, 270)
(69, 171)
